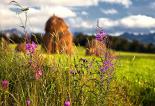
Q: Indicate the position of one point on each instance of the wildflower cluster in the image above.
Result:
(30, 48)
(38, 72)
(108, 63)
(62, 82)
(100, 35)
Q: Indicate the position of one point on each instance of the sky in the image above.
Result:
(114, 16)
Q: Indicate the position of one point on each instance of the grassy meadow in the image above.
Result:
(135, 73)
(35, 78)
(77, 79)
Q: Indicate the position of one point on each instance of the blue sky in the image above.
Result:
(115, 16)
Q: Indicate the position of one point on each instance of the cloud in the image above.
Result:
(152, 5)
(37, 16)
(41, 10)
(116, 33)
(7, 18)
(59, 2)
(138, 21)
(71, 3)
(125, 3)
(80, 23)
(107, 23)
(84, 13)
(57, 10)
(109, 11)
(152, 31)
(133, 21)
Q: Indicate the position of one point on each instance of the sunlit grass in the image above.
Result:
(133, 82)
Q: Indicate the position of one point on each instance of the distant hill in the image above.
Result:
(13, 31)
(144, 38)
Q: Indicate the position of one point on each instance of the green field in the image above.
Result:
(135, 72)
(132, 82)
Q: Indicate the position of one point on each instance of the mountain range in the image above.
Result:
(144, 38)
(13, 31)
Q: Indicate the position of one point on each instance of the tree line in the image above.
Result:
(80, 39)
(118, 43)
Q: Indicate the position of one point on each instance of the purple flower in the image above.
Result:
(100, 35)
(107, 64)
(5, 84)
(38, 74)
(28, 102)
(30, 48)
(67, 103)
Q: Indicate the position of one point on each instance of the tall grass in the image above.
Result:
(77, 79)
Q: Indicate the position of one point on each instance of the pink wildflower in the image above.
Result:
(67, 103)
(5, 84)
(38, 74)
